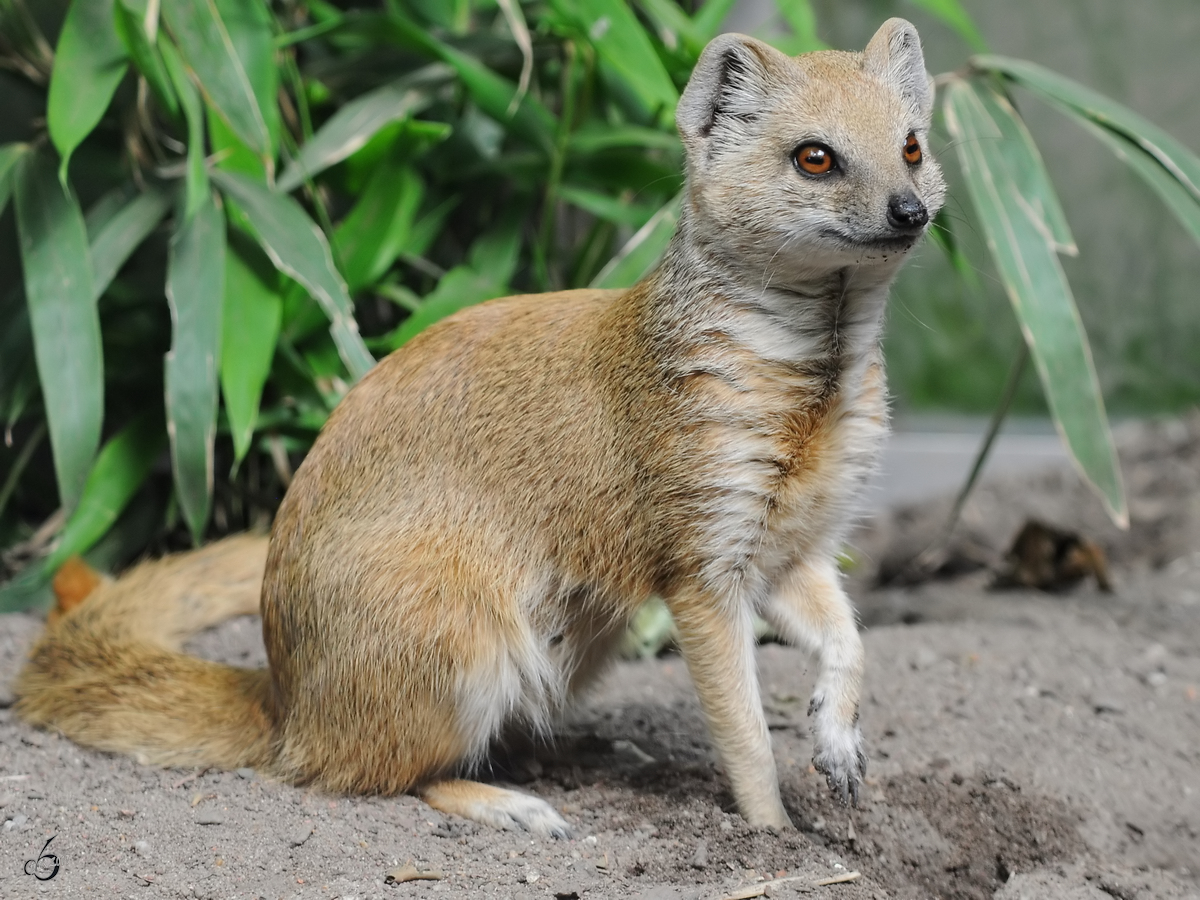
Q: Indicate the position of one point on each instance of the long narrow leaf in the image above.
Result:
(195, 291)
(210, 52)
(952, 13)
(89, 63)
(62, 312)
(1040, 295)
(643, 250)
(621, 43)
(193, 112)
(250, 326)
(1023, 164)
(358, 121)
(1075, 97)
(803, 22)
(10, 155)
(378, 229)
(121, 467)
(710, 17)
(298, 248)
(145, 55)
(123, 232)
(1177, 197)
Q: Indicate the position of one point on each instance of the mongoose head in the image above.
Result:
(800, 166)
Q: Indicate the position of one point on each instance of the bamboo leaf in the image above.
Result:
(121, 467)
(358, 121)
(209, 43)
(603, 136)
(490, 264)
(1040, 295)
(379, 226)
(1023, 163)
(675, 28)
(299, 249)
(10, 155)
(606, 207)
(193, 111)
(89, 63)
(621, 42)
(250, 326)
(951, 13)
(195, 292)
(711, 16)
(803, 23)
(1073, 97)
(123, 232)
(62, 313)
(1173, 193)
(643, 251)
(145, 55)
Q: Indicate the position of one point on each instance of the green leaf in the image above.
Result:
(494, 94)
(951, 13)
(606, 207)
(145, 55)
(195, 292)
(1073, 97)
(299, 249)
(250, 326)
(643, 251)
(10, 155)
(89, 63)
(675, 28)
(121, 467)
(356, 122)
(1040, 294)
(197, 175)
(803, 23)
(621, 43)
(711, 16)
(62, 312)
(212, 44)
(123, 232)
(490, 265)
(378, 228)
(1177, 197)
(603, 136)
(1024, 167)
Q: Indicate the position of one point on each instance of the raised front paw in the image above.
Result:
(838, 755)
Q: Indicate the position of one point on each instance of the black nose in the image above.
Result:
(906, 211)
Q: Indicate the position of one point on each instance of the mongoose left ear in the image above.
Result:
(894, 55)
(728, 89)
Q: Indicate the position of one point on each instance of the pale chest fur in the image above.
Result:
(787, 414)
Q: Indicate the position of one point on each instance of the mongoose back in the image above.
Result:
(483, 513)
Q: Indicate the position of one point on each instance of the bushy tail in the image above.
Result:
(110, 673)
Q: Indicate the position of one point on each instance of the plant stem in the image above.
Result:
(19, 464)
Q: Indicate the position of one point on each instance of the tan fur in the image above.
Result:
(486, 510)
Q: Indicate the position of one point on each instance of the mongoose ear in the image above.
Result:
(894, 56)
(729, 86)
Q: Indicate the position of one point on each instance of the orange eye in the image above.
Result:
(815, 159)
(912, 150)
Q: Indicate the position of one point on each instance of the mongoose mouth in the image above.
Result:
(898, 243)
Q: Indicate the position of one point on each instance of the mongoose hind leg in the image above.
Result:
(496, 806)
(810, 608)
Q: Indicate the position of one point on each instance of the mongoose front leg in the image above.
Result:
(810, 608)
(717, 639)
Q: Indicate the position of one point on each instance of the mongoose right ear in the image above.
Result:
(728, 88)
(894, 55)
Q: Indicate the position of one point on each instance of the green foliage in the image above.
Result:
(275, 190)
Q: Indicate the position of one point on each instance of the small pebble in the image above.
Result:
(16, 821)
(141, 848)
(700, 857)
(209, 818)
(300, 835)
(245, 772)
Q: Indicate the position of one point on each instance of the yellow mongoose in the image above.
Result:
(483, 513)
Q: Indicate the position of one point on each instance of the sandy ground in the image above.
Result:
(1023, 745)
